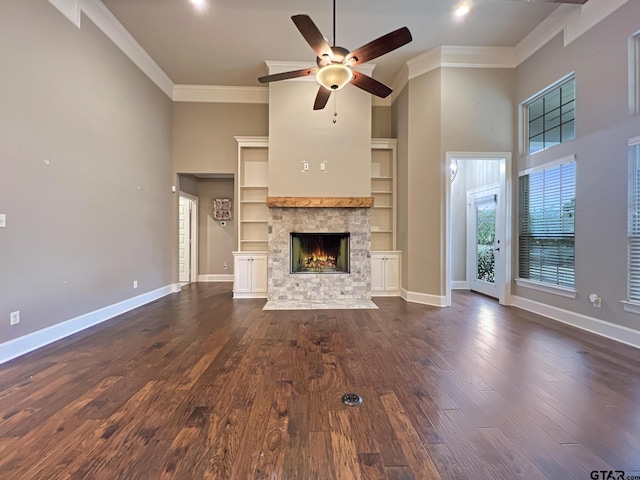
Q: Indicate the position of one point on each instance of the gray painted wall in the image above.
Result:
(298, 133)
(203, 134)
(400, 130)
(603, 126)
(445, 110)
(83, 227)
(381, 122)
(425, 185)
(215, 242)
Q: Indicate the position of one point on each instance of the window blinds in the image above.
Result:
(633, 222)
(546, 225)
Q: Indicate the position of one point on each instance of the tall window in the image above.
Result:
(634, 74)
(633, 221)
(546, 225)
(551, 116)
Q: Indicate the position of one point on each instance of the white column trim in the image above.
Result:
(424, 298)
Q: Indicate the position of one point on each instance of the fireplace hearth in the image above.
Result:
(319, 252)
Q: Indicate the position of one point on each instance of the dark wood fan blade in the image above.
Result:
(286, 75)
(380, 46)
(321, 98)
(576, 2)
(312, 35)
(370, 85)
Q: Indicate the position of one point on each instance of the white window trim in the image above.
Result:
(554, 163)
(524, 113)
(631, 307)
(634, 74)
(547, 288)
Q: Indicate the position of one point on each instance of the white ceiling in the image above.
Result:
(228, 41)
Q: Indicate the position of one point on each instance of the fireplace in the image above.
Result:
(319, 252)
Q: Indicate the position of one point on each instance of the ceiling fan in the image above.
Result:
(335, 63)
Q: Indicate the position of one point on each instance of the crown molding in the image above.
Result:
(461, 57)
(69, 8)
(588, 16)
(477, 57)
(398, 84)
(100, 15)
(572, 20)
(543, 33)
(220, 94)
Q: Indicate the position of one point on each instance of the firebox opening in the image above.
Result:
(319, 252)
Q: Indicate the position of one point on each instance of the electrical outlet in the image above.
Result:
(15, 317)
(135, 284)
(224, 265)
(323, 166)
(305, 166)
(3, 220)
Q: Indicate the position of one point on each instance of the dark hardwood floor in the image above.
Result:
(196, 385)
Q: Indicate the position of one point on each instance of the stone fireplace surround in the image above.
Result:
(287, 291)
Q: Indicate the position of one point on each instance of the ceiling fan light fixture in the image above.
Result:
(461, 10)
(334, 76)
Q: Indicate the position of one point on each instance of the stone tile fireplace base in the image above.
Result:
(288, 291)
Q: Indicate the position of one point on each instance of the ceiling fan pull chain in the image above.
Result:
(335, 107)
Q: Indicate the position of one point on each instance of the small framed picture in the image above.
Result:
(222, 209)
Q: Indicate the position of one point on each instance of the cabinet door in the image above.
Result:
(242, 275)
(377, 273)
(259, 274)
(392, 273)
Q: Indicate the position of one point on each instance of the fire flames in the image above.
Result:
(319, 260)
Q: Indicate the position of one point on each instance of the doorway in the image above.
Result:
(483, 245)
(478, 224)
(187, 238)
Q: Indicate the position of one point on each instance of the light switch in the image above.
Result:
(3, 220)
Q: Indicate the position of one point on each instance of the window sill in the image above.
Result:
(548, 288)
(631, 307)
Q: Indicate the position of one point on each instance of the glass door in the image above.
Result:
(482, 246)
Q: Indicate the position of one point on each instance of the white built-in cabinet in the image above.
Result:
(383, 191)
(250, 259)
(386, 270)
(252, 189)
(250, 275)
(386, 261)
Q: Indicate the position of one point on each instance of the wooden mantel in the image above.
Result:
(320, 202)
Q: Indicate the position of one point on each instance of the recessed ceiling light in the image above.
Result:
(198, 3)
(461, 10)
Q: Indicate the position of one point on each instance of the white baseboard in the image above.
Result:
(249, 295)
(424, 298)
(621, 334)
(395, 293)
(216, 278)
(459, 285)
(32, 341)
